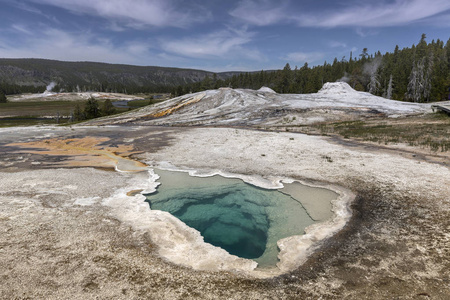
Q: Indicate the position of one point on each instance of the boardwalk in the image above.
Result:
(444, 107)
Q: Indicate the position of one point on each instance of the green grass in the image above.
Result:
(36, 112)
(38, 108)
(39, 112)
(432, 131)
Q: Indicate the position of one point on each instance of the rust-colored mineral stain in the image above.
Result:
(85, 152)
(175, 108)
(134, 192)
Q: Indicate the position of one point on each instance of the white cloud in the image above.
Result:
(302, 57)
(261, 13)
(337, 44)
(226, 46)
(233, 67)
(113, 26)
(56, 44)
(441, 20)
(30, 9)
(21, 29)
(218, 44)
(365, 32)
(160, 13)
(365, 13)
(379, 14)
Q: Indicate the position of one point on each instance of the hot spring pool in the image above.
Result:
(245, 220)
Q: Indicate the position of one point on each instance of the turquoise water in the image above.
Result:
(244, 220)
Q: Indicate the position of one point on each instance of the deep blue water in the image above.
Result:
(244, 220)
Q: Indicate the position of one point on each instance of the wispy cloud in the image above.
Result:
(365, 13)
(302, 57)
(31, 9)
(228, 46)
(57, 44)
(21, 29)
(218, 44)
(337, 44)
(440, 21)
(365, 32)
(379, 14)
(160, 13)
(262, 12)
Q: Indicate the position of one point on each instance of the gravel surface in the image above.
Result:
(61, 237)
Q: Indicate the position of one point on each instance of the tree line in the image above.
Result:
(12, 89)
(33, 76)
(92, 109)
(420, 73)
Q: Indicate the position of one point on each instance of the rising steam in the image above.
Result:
(51, 86)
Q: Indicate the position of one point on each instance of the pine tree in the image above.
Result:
(3, 97)
(364, 55)
(415, 79)
(285, 81)
(91, 109)
(418, 73)
(419, 85)
(108, 108)
(78, 114)
(428, 77)
(207, 83)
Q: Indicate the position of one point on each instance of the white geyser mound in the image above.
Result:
(335, 88)
(265, 89)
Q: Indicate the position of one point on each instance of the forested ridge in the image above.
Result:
(420, 73)
(34, 75)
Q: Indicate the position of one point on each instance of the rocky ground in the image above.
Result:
(66, 233)
(51, 96)
(264, 108)
(60, 241)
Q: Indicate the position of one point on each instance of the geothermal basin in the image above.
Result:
(245, 220)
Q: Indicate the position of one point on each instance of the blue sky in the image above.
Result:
(215, 35)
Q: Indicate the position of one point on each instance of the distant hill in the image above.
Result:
(35, 74)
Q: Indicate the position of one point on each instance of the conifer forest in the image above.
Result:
(420, 73)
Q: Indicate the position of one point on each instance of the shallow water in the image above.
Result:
(245, 220)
